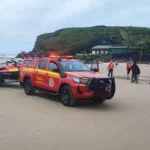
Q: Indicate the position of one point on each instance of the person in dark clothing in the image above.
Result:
(135, 72)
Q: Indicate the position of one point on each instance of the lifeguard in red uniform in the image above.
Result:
(128, 67)
(110, 68)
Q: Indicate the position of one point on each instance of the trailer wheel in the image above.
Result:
(1, 83)
(28, 88)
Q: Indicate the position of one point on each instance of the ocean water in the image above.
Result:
(4, 59)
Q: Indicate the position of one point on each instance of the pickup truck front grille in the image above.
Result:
(99, 84)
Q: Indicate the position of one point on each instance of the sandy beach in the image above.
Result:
(42, 122)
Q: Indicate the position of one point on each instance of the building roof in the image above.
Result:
(104, 47)
(101, 47)
(119, 46)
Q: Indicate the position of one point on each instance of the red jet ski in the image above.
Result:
(9, 72)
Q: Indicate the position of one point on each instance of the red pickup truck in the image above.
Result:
(71, 79)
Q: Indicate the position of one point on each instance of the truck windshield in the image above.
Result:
(74, 66)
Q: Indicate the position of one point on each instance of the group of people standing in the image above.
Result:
(129, 67)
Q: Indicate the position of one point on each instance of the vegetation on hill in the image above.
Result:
(80, 40)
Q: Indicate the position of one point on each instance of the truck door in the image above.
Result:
(52, 80)
(40, 73)
(95, 66)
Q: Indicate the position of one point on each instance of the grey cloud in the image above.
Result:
(22, 20)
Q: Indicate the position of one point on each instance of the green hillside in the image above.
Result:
(78, 40)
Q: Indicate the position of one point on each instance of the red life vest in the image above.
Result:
(128, 66)
(111, 66)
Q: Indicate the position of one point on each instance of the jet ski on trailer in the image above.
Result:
(9, 72)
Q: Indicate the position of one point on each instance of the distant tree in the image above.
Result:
(79, 40)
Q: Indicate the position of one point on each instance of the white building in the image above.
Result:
(100, 50)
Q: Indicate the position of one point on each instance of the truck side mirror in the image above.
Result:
(95, 69)
(56, 70)
(95, 66)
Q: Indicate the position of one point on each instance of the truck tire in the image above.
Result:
(113, 89)
(28, 88)
(66, 96)
(99, 100)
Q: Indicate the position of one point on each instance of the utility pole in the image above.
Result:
(104, 37)
(141, 53)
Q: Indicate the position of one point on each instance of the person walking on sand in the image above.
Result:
(128, 67)
(116, 63)
(135, 72)
(110, 68)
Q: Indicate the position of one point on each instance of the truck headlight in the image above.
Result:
(76, 80)
(80, 80)
(84, 80)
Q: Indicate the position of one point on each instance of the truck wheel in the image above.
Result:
(99, 101)
(28, 88)
(66, 96)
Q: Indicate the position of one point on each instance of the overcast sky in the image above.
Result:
(21, 21)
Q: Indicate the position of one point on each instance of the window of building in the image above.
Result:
(42, 64)
(106, 52)
(97, 52)
(102, 52)
(53, 66)
(93, 52)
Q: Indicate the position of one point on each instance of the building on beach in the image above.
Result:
(100, 50)
(111, 49)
